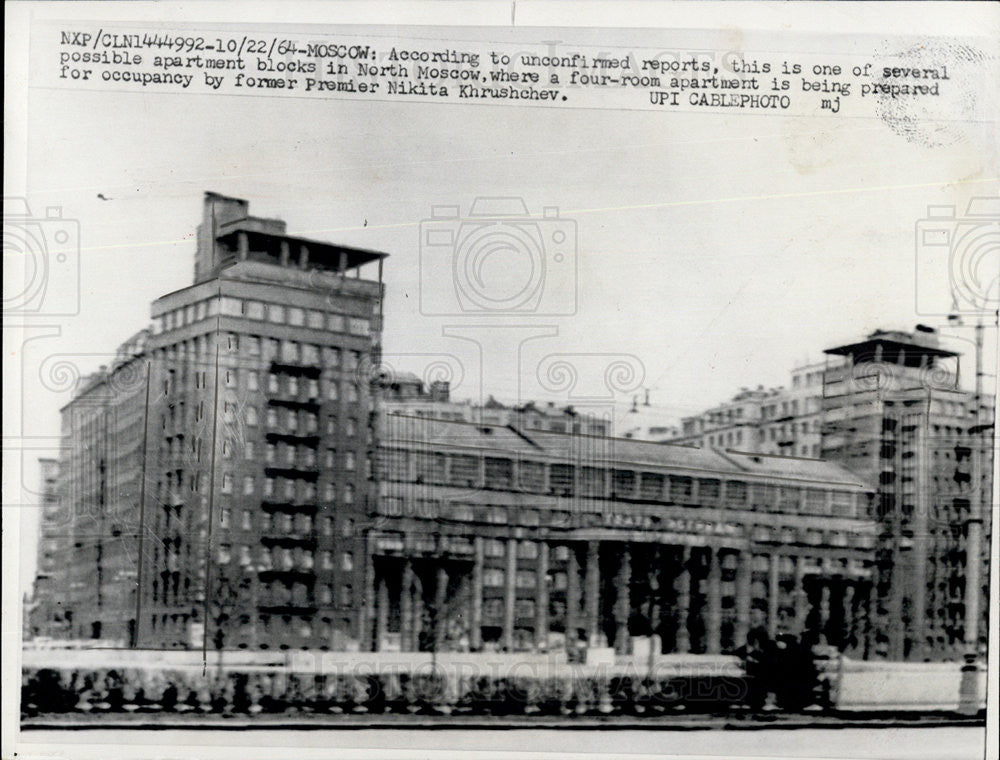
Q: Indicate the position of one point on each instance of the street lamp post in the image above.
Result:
(969, 688)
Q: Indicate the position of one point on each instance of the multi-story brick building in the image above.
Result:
(87, 563)
(895, 415)
(890, 409)
(46, 616)
(214, 480)
(262, 441)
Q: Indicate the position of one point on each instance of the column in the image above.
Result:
(476, 618)
(801, 600)
(367, 617)
(418, 611)
(744, 579)
(303, 256)
(773, 595)
(713, 604)
(285, 253)
(682, 585)
(623, 602)
(510, 592)
(542, 597)
(655, 595)
(572, 598)
(850, 635)
(406, 627)
(440, 608)
(243, 243)
(592, 593)
(824, 611)
(381, 614)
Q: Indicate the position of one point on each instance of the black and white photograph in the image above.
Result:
(529, 380)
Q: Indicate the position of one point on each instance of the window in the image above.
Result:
(493, 577)
(224, 517)
(249, 449)
(268, 487)
(350, 461)
(326, 558)
(561, 479)
(622, 482)
(493, 547)
(349, 493)
(335, 322)
(681, 489)
(499, 473)
(525, 579)
(246, 523)
(255, 310)
(315, 319)
(275, 313)
(227, 483)
(527, 550)
(224, 554)
(709, 490)
(332, 392)
(248, 485)
(250, 415)
(465, 469)
(296, 316)
(347, 561)
(651, 486)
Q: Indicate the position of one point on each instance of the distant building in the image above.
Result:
(405, 393)
(783, 421)
(888, 408)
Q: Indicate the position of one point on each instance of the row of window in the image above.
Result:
(569, 480)
(278, 314)
(282, 558)
(295, 490)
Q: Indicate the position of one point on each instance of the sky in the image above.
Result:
(716, 251)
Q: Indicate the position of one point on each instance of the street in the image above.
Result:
(940, 743)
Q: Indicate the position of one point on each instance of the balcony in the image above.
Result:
(311, 439)
(310, 474)
(294, 575)
(288, 403)
(288, 507)
(289, 540)
(300, 370)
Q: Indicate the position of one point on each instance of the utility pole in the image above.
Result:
(969, 688)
